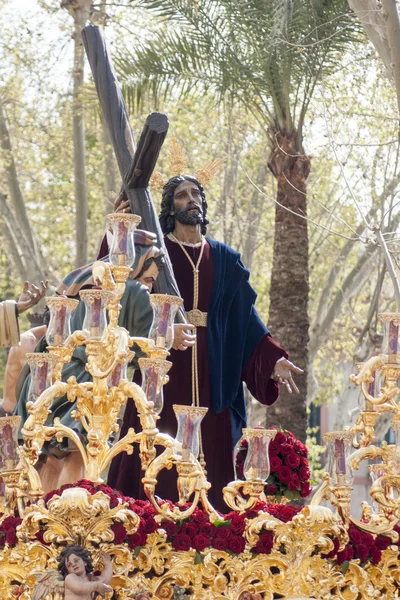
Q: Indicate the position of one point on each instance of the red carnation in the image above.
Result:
(274, 448)
(219, 543)
(208, 529)
(190, 529)
(304, 473)
(286, 513)
(285, 474)
(181, 542)
(382, 542)
(376, 555)
(119, 532)
(294, 482)
(237, 544)
(286, 449)
(199, 516)
(300, 448)
(275, 463)
(238, 524)
(148, 525)
(170, 528)
(367, 539)
(303, 461)
(136, 539)
(362, 552)
(11, 537)
(292, 460)
(270, 490)
(264, 544)
(355, 535)
(305, 489)
(223, 533)
(280, 437)
(200, 541)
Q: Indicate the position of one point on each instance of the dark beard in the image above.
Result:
(188, 218)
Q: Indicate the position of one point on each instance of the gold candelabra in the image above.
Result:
(297, 566)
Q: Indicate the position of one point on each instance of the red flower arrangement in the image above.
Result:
(143, 508)
(8, 531)
(226, 535)
(290, 473)
(362, 545)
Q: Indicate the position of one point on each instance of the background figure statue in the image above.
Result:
(63, 463)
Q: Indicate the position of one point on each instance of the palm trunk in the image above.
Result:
(288, 313)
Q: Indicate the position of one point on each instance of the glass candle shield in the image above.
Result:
(154, 373)
(61, 309)
(188, 434)
(9, 427)
(95, 321)
(162, 328)
(119, 372)
(41, 365)
(339, 447)
(256, 465)
(391, 337)
(122, 251)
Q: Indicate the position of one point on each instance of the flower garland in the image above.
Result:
(362, 545)
(290, 473)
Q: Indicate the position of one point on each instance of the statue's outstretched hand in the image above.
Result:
(122, 204)
(31, 295)
(283, 374)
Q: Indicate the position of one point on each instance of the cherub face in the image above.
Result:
(75, 565)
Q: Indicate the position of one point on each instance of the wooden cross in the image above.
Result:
(136, 165)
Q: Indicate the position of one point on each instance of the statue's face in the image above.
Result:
(187, 204)
(75, 565)
(149, 276)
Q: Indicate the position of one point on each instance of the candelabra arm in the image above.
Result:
(63, 354)
(143, 406)
(101, 365)
(60, 431)
(125, 444)
(323, 492)
(236, 491)
(367, 452)
(375, 362)
(381, 527)
(34, 431)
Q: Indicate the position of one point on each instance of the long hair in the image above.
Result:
(167, 221)
(78, 551)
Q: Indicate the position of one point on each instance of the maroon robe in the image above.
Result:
(216, 428)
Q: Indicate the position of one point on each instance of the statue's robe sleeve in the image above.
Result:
(9, 327)
(136, 316)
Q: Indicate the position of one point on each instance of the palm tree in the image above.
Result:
(267, 56)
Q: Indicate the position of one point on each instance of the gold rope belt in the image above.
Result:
(197, 318)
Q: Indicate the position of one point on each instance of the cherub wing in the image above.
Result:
(49, 582)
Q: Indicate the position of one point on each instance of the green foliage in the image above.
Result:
(265, 56)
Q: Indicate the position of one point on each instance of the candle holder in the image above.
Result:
(119, 372)
(95, 321)
(339, 448)
(165, 308)
(256, 465)
(59, 329)
(9, 456)
(188, 434)
(41, 365)
(154, 376)
(391, 337)
(243, 495)
(122, 251)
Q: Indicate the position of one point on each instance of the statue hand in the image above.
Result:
(283, 374)
(31, 295)
(183, 339)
